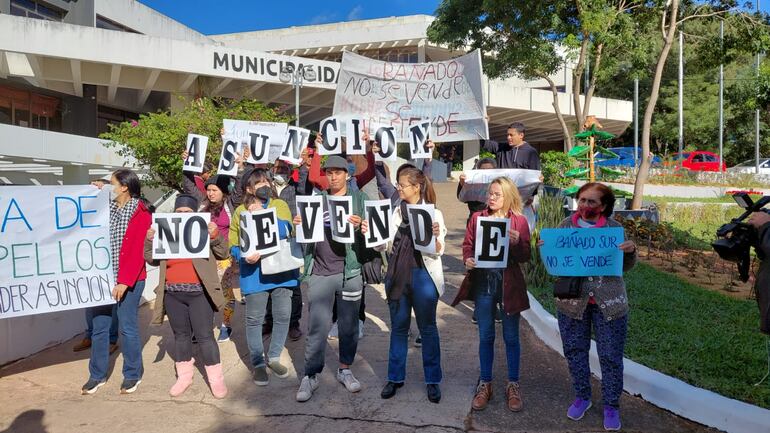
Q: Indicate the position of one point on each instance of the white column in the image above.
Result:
(75, 175)
(470, 153)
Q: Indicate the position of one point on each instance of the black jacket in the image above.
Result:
(762, 284)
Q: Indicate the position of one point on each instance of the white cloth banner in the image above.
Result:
(54, 249)
(477, 182)
(448, 94)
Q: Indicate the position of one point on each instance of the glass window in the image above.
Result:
(36, 9)
(710, 158)
(697, 158)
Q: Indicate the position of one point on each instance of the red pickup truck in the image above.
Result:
(700, 160)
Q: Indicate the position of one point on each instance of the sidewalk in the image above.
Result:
(41, 394)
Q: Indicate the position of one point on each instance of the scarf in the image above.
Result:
(402, 260)
(601, 222)
(119, 220)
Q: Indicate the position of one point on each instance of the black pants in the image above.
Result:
(361, 309)
(296, 309)
(191, 313)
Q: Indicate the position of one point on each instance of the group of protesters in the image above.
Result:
(191, 292)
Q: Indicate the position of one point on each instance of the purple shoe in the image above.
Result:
(611, 418)
(578, 409)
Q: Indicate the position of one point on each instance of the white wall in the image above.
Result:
(146, 20)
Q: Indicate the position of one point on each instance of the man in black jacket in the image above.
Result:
(516, 153)
(761, 221)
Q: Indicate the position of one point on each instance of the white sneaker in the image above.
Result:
(333, 333)
(360, 329)
(306, 388)
(346, 378)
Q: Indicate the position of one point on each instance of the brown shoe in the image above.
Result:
(83, 345)
(513, 395)
(113, 348)
(482, 397)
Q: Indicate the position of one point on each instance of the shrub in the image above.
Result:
(553, 165)
(549, 215)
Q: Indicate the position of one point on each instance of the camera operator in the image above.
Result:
(761, 221)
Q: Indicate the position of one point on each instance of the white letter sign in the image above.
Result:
(492, 242)
(421, 223)
(379, 214)
(227, 164)
(296, 142)
(418, 136)
(259, 232)
(259, 146)
(310, 208)
(387, 140)
(354, 136)
(340, 209)
(196, 153)
(181, 235)
(331, 130)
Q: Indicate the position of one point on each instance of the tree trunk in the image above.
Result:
(565, 130)
(644, 168)
(592, 86)
(577, 76)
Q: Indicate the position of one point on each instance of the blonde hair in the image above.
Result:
(511, 197)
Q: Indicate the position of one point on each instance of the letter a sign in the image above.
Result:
(181, 235)
(196, 153)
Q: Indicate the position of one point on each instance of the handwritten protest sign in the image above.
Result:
(582, 252)
(448, 93)
(54, 249)
(379, 214)
(259, 232)
(181, 235)
(196, 153)
(492, 242)
(239, 131)
(421, 218)
(477, 183)
(310, 209)
(340, 209)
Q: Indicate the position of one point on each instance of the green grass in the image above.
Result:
(723, 199)
(695, 226)
(701, 337)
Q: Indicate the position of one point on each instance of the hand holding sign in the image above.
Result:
(492, 242)
(424, 232)
(378, 217)
(309, 219)
(180, 235)
(258, 232)
(584, 252)
(341, 218)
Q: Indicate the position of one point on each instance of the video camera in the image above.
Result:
(736, 238)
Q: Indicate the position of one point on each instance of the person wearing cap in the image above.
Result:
(221, 205)
(331, 268)
(189, 292)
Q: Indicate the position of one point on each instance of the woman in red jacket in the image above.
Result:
(492, 286)
(129, 221)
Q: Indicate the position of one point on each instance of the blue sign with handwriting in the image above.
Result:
(582, 252)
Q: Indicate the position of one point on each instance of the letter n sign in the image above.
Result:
(492, 242)
(181, 235)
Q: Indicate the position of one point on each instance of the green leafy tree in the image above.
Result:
(157, 140)
(536, 40)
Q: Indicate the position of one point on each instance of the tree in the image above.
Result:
(535, 40)
(157, 140)
(670, 19)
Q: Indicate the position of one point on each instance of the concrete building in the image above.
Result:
(70, 68)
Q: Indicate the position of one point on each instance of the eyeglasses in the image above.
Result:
(400, 187)
(494, 195)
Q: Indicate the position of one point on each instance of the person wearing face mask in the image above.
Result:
(490, 287)
(333, 268)
(257, 287)
(288, 188)
(603, 306)
(360, 168)
(414, 281)
(129, 221)
(188, 293)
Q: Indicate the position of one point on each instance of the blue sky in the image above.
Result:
(229, 16)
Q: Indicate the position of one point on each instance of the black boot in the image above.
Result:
(390, 388)
(434, 393)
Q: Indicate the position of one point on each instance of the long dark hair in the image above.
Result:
(255, 176)
(416, 177)
(130, 180)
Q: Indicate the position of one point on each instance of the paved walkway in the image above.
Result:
(41, 394)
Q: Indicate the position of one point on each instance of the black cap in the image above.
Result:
(186, 200)
(336, 161)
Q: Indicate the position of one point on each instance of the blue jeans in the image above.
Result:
(131, 346)
(487, 298)
(256, 305)
(113, 325)
(424, 299)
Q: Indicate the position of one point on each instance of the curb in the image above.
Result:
(696, 404)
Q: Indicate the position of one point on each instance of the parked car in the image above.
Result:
(626, 157)
(749, 167)
(699, 160)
